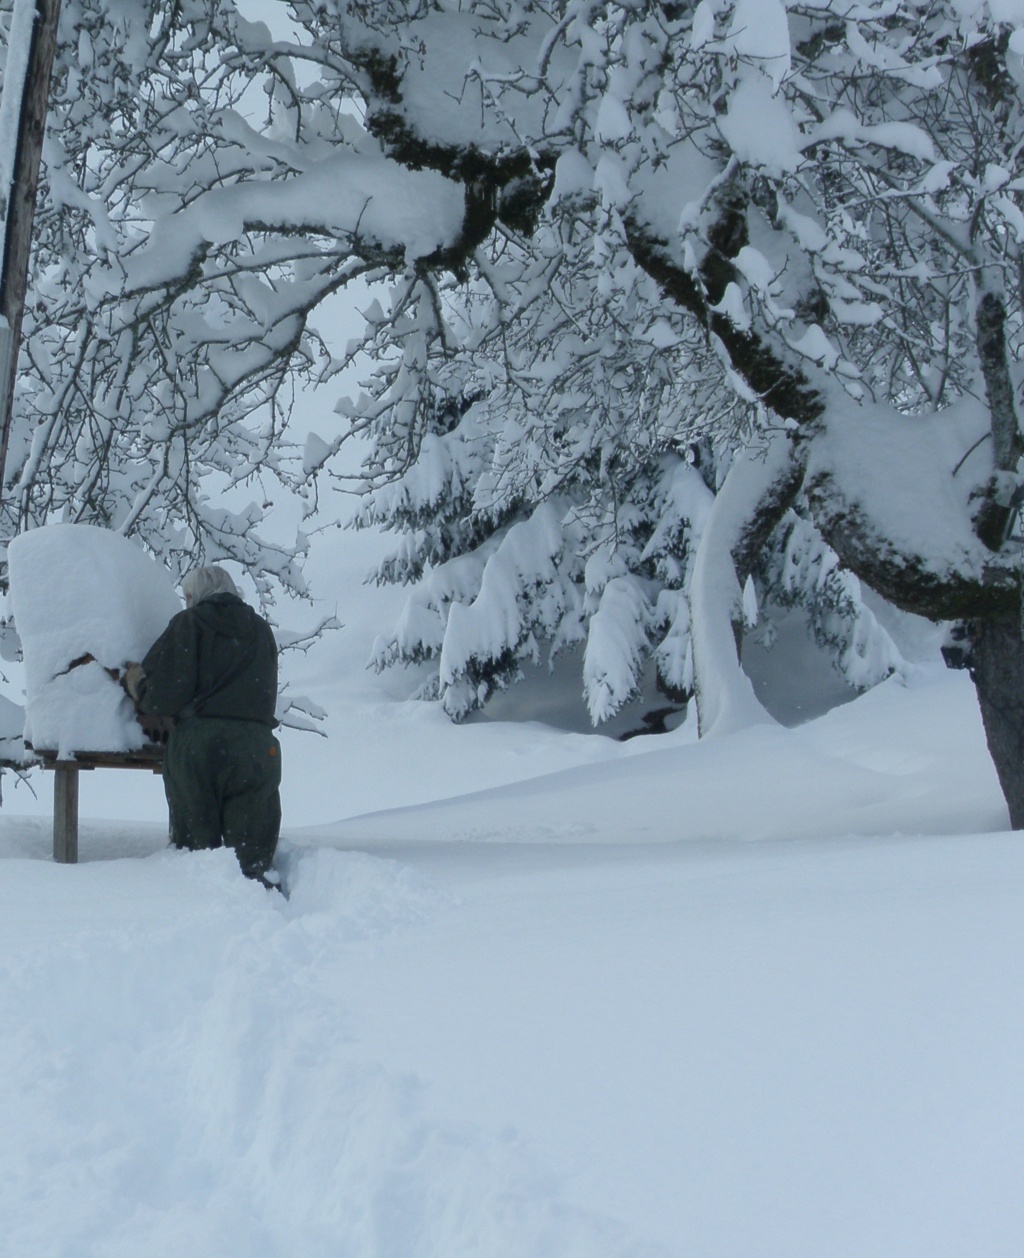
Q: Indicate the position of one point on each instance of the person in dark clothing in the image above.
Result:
(214, 671)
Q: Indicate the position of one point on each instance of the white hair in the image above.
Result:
(202, 583)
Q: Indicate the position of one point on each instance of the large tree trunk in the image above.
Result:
(758, 490)
(999, 679)
(19, 205)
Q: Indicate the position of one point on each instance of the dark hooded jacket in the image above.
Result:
(218, 658)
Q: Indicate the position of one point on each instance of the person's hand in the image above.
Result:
(132, 679)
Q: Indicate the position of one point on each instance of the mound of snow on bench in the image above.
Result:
(80, 591)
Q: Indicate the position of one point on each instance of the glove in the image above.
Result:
(132, 680)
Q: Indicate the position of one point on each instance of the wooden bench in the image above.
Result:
(65, 781)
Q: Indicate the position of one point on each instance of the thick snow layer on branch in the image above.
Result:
(896, 470)
(85, 600)
(759, 127)
(351, 196)
(760, 31)
(451, 83)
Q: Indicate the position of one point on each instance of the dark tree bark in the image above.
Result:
(999, 680)
(21, 205)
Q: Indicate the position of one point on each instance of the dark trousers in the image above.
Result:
(221, 778)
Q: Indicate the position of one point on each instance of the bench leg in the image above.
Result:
(65, 814)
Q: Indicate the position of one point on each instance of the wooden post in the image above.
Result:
(20, 201)
(65, 813)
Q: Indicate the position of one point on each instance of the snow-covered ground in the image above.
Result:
(536, 994)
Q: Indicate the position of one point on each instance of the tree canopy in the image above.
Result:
(678, 305)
